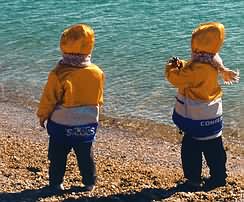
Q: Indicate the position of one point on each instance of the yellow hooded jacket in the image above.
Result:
(71, 90)
(198, 107)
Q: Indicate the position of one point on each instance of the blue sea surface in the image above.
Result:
(134, 39)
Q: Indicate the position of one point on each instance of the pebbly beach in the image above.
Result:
(137, 160)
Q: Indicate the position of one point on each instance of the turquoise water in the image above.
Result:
(134, 39)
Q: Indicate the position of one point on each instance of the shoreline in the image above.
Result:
(132, 163)
(233, 132)
(27, 96)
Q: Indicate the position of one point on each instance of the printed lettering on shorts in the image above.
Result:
(81, 131)
(211, 122)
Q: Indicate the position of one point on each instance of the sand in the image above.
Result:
(135, 160)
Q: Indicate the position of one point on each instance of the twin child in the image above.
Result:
(73, 95)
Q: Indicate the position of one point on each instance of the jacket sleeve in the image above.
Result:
(50, 97)
(180, 78)
(102, 90)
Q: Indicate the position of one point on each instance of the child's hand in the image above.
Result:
(175, 62)
(230, 76)
(42, 122)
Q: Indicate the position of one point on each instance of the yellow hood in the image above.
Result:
(208, 38)
(77, 39)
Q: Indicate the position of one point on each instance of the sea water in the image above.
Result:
(134, 39)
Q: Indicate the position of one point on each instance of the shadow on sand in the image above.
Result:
(145, 195)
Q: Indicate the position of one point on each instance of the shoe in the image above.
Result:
(56, 188)
(89, 187)
(189, 186)
(211, 183)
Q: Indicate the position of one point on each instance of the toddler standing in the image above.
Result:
(70, 104)
(198, 108)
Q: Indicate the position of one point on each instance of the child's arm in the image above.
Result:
(102, 91)
(50, 97)
(178, 75)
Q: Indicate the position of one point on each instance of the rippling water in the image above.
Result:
(133, 41)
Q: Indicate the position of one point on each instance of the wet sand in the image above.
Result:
(136, 161)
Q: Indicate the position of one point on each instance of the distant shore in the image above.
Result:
(137, 160)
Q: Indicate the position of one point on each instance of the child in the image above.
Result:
(198, 108)
(70, 103)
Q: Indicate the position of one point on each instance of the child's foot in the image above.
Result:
(189, 186)
(56, 188)
(211, 183)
